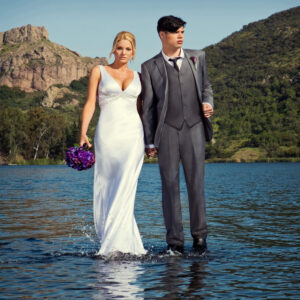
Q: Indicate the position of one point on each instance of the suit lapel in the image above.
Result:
(188, 57)
(159, 61)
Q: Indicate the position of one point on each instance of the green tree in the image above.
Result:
(12, 135)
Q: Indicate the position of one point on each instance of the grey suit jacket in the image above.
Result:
(155, 93)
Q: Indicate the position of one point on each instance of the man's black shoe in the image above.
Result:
(200, 245)
(175, 250)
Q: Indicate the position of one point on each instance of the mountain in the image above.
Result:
(31, 62)
(255, 76)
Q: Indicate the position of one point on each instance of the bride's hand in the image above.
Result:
(84, 140)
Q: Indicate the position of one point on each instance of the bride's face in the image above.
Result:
(123, 51)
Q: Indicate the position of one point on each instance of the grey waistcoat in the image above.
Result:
(183, 103)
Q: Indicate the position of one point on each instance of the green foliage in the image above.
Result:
(35, 133)
(12, 135)
(11, 93)
(255, 77)
(80, 85)
(14, 97)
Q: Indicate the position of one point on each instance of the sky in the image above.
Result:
(89, 26)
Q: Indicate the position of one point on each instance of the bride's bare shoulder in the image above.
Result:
(95, 73)
(95, 70)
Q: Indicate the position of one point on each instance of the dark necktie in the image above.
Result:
(174, 61)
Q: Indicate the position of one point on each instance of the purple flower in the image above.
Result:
(194, 59)
(80, 159)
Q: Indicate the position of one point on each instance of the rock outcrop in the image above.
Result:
(30, 61)
(24, 34)
(53, 93)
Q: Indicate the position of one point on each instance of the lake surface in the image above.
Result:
(48, 242)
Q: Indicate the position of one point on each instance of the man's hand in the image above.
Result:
(207, 110)
(150, 152)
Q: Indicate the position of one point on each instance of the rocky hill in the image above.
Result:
(30, 61)
(255, 74)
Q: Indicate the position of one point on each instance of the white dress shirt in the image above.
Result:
(179, 61)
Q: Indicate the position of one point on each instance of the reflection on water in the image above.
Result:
(118, 280)
(176, 278)
(48, 244)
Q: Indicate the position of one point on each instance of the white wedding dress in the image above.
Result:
(119, 151)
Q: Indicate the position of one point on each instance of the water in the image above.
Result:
(48, 243)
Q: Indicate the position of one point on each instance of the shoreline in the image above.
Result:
(43, 162)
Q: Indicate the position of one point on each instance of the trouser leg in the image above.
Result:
(168, 158)
(192, 153)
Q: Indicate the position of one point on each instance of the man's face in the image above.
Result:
(172, 40)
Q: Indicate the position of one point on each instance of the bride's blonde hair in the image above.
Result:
(124, 35)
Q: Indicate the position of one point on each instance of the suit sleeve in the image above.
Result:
(149, 107)
(207, 93)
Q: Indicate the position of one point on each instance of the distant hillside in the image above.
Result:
(255, 75)
(31, 62)
(43, 88)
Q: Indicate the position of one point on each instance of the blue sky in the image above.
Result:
(89, 26)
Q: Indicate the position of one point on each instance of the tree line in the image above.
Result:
(35, 133)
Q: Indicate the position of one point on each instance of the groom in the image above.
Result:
(177, 102)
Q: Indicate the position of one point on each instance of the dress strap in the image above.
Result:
(103, 72)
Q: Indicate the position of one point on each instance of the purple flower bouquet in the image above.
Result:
(79, 158)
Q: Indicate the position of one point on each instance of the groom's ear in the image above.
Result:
(162, 34)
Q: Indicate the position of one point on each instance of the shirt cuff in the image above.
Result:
(150, 146)
(208, 104)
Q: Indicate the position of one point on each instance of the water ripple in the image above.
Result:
(48, 246)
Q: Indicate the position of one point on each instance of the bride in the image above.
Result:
(119, 148)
